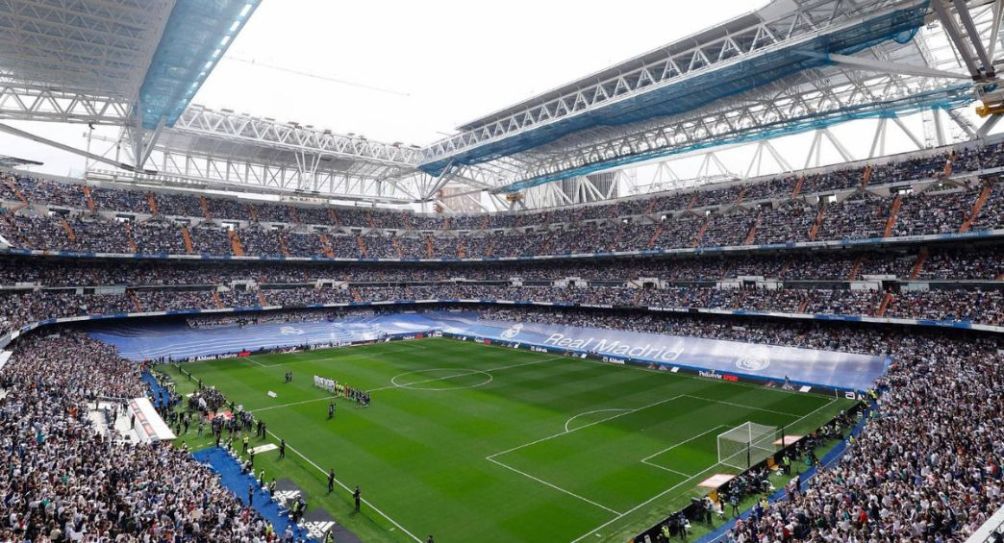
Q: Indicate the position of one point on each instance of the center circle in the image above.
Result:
(436, 379)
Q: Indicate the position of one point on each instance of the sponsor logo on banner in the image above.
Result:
(614, 347)
(712, 374)
(290, 331)
(753, 362)
(512, 331)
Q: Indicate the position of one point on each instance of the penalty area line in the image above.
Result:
(552, 485)
(349, 490)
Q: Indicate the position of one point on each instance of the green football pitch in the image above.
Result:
(481, 443)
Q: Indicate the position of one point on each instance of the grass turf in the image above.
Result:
(476, 443)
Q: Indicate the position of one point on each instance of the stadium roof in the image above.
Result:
(94, 61)
(194, 40)
(794, 65)
(715, 66)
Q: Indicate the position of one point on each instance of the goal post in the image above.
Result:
(747, 445)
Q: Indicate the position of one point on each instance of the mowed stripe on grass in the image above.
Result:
(431, 455)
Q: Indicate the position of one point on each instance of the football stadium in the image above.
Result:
(743, 283)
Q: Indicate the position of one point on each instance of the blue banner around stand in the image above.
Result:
(719, 359)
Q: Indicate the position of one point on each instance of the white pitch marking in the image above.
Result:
(271, 407)
(674, 487)
(573, 417)
(554, 486)
(394, 385)
(347, 489)
(653, 455)
(744, 406)
(594, 423)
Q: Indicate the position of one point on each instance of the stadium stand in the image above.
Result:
(898, 258)
(904, 198)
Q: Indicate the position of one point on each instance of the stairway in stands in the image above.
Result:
(974, 212)
(798, 187)
(89, 198)
(751, 234)
(283, 244)
(151, 202)
(136, 304)
(70, 234)
(655, 235)
(918, 265)
(818, 223)
(361, 243)
(866, 175)
(204, 204)
(890, 223)
(235, 242)
(884, 306)
(186, 237)
(326, 245)
(130, 238)
(700, 233)
(12, 183)
(856, 268)
(217, 301)
(397, 247)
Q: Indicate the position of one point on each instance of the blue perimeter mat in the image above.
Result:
(236, 482)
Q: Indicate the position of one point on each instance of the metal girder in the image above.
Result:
(961, 43)
(894, 68)
(31, 103)
(62, 146)
(962, 8)
(317, 179)
(656, 70)
(292, 137)
(803, 100)
(86, 47)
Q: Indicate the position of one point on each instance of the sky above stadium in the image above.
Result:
(411, 72)
(398, 70)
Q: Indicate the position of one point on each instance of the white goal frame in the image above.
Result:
(747, 445)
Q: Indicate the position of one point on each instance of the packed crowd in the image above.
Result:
(927, 465)
(984, 305)
(64, 481)
(863, 215)
(983, 262)
(765, 212)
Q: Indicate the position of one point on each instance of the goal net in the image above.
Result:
(747, 445)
